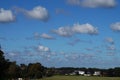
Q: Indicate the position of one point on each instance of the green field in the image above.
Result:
(80, 78)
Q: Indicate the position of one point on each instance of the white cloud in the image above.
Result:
(76, 28)
(85, 29)
(39, 13)
(6, 16)
(93, 3)
(64, 31)
(41, 48)
(115, 26)
(46, 36)
(98, 3)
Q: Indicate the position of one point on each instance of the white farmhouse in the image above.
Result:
(81, 72)
(97, 73)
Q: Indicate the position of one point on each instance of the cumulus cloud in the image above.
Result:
(38, 12)
(46, 36)
(6, 16)
(64, 31)
(93, 3)
(75, 29)
(85, 29)
(115, 26)
(98, 3)
(42, 48)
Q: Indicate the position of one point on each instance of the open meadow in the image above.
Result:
(80, 78)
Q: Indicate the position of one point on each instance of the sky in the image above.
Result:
(61, 33)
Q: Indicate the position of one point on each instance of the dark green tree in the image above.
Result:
(12, 70)
(4, 64)
(50, 72)
(35, 70)
(117, 72)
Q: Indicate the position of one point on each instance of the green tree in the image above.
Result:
(12, 70)
(4, 64)
(50, 72)
(117, 71)
(23, 70)
(35, 70)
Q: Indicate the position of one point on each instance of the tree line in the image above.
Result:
(10, 70)
(111, 72)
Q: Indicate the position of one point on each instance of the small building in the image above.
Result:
(81, 72)
(20, 79)
(88, 74)
(97, 73)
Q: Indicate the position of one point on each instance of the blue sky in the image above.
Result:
(61, 33)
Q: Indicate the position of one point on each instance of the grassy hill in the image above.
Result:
(80, 78)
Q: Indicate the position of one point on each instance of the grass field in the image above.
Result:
(80, 78)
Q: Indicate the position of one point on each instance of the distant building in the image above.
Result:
(20, 79)
(81, 72)
(97, 73)
(77, 72)
(88, 74)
